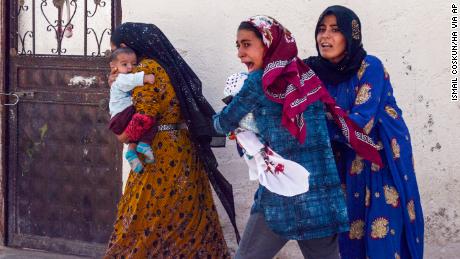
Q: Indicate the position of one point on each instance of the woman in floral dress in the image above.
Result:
(168, 210)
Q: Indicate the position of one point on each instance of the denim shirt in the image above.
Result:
(321, 211)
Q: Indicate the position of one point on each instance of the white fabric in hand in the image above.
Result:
(278, 175)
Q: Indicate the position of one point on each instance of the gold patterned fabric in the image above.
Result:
(367, 200)
(355, 30)
(395, 148)
(364, 94)
(411, 210)
(168, 210)
(375, 167)
(357, 166)
(367, 129)
(356, 229)
(391, 112)
(391, 195)
(379, 228)
(362, 69)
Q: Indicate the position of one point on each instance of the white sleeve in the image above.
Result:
(127, 82)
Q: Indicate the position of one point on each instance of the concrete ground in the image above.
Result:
(13, 253)
(290, 251)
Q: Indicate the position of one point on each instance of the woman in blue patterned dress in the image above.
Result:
(384, 209)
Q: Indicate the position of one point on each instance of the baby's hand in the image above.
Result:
(149, 79)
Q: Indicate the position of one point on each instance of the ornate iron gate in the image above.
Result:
(64, 167)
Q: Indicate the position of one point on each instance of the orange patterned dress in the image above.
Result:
(168, 210)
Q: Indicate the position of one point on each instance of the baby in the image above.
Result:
(279, 175)
(122, 111)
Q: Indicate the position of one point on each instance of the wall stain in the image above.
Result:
(430, 120)
(429, 124)
(407, 64)
(437, 146)
(441, 226)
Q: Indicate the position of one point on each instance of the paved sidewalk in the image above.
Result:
(13, 253)
(291, 251)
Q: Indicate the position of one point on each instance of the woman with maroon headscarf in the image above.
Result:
(286, 99)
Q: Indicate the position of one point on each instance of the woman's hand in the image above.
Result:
(123, 138)
(149, 79)
(113, 75)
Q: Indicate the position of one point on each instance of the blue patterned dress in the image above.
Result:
(384, 209)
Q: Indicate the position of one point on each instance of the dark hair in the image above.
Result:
(119, 51)
(249, 27)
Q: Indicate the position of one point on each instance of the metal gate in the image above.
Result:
(63, 165)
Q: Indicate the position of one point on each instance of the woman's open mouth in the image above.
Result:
(325, 46)
(250, 65)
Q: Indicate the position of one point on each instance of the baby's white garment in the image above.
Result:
(120, 96)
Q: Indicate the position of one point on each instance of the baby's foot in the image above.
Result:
(146, 150)
(134, 161)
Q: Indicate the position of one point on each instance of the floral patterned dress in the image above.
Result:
(168, 210)
(386, 219)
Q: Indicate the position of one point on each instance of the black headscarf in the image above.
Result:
(148, 41)
(350, 26)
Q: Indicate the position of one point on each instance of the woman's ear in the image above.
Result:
(123, 45)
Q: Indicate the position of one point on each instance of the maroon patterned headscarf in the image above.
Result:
(289, 81)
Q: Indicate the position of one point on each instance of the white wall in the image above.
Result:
(411, 37)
